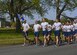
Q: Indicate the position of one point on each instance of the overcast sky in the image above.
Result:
(52, 15)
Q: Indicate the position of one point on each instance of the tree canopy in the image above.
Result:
(63, 5)
(29, 7)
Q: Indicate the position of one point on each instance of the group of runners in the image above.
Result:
(68, 30)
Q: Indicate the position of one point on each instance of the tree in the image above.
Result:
(63, 5)
(29, 7)
(24, 6)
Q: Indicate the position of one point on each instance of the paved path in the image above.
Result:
(32, 50)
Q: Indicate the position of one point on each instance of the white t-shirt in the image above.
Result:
(36, 27)
(57, 25)
(72, 27)
(44, 25)
(75, 26)
(25, 27)
(68, 28)
(64, 28)
(49, 28)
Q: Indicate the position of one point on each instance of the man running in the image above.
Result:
(57, 27)
(26, 27)
(36, 28)
(45, 31)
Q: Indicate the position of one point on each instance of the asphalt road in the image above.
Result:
(32, 50)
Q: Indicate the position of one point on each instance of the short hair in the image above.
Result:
(44, 19)
(24, 21)
(68, 21)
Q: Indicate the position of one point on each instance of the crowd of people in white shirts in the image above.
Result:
(68, 30)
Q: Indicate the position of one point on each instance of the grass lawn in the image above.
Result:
(13, 38)
(10, 38)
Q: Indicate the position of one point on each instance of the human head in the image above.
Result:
(75, 21)
(67, 22)
(43, 20)
(24, 21)
(57, 20)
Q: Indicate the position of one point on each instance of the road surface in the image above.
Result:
(33, 50)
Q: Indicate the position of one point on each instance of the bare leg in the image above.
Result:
(57, 41)
(45, 41)
(36, 40)
(68, 40)
(48, 39)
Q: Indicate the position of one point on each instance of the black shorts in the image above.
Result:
(36, 34)
(25, 34)
(57, 33)
(45, 33)
(49, 32)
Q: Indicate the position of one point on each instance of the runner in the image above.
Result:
(49, 28)
(57, 27)
(45, 31)
(68, 32)
(72, 31)
(36, 32)
(26, 27)
(75, 27)
(64, 31)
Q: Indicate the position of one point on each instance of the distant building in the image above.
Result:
(2, 22)
(4, 19)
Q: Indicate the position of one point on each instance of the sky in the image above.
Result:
(71, 14)
(51, 15)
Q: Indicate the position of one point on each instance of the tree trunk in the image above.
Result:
(57, 9)
(11, 10)
(12, 17)
(18, 24)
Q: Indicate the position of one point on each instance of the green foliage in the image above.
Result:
(13, 24)
(71, 4)
(67, 1)
(63, 20)
(7, 30)
(25, 6)
(63, 5)
(49, 21)
(30, 7)
(33, 6)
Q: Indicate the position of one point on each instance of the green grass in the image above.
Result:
(13, 38)
(10, 37)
